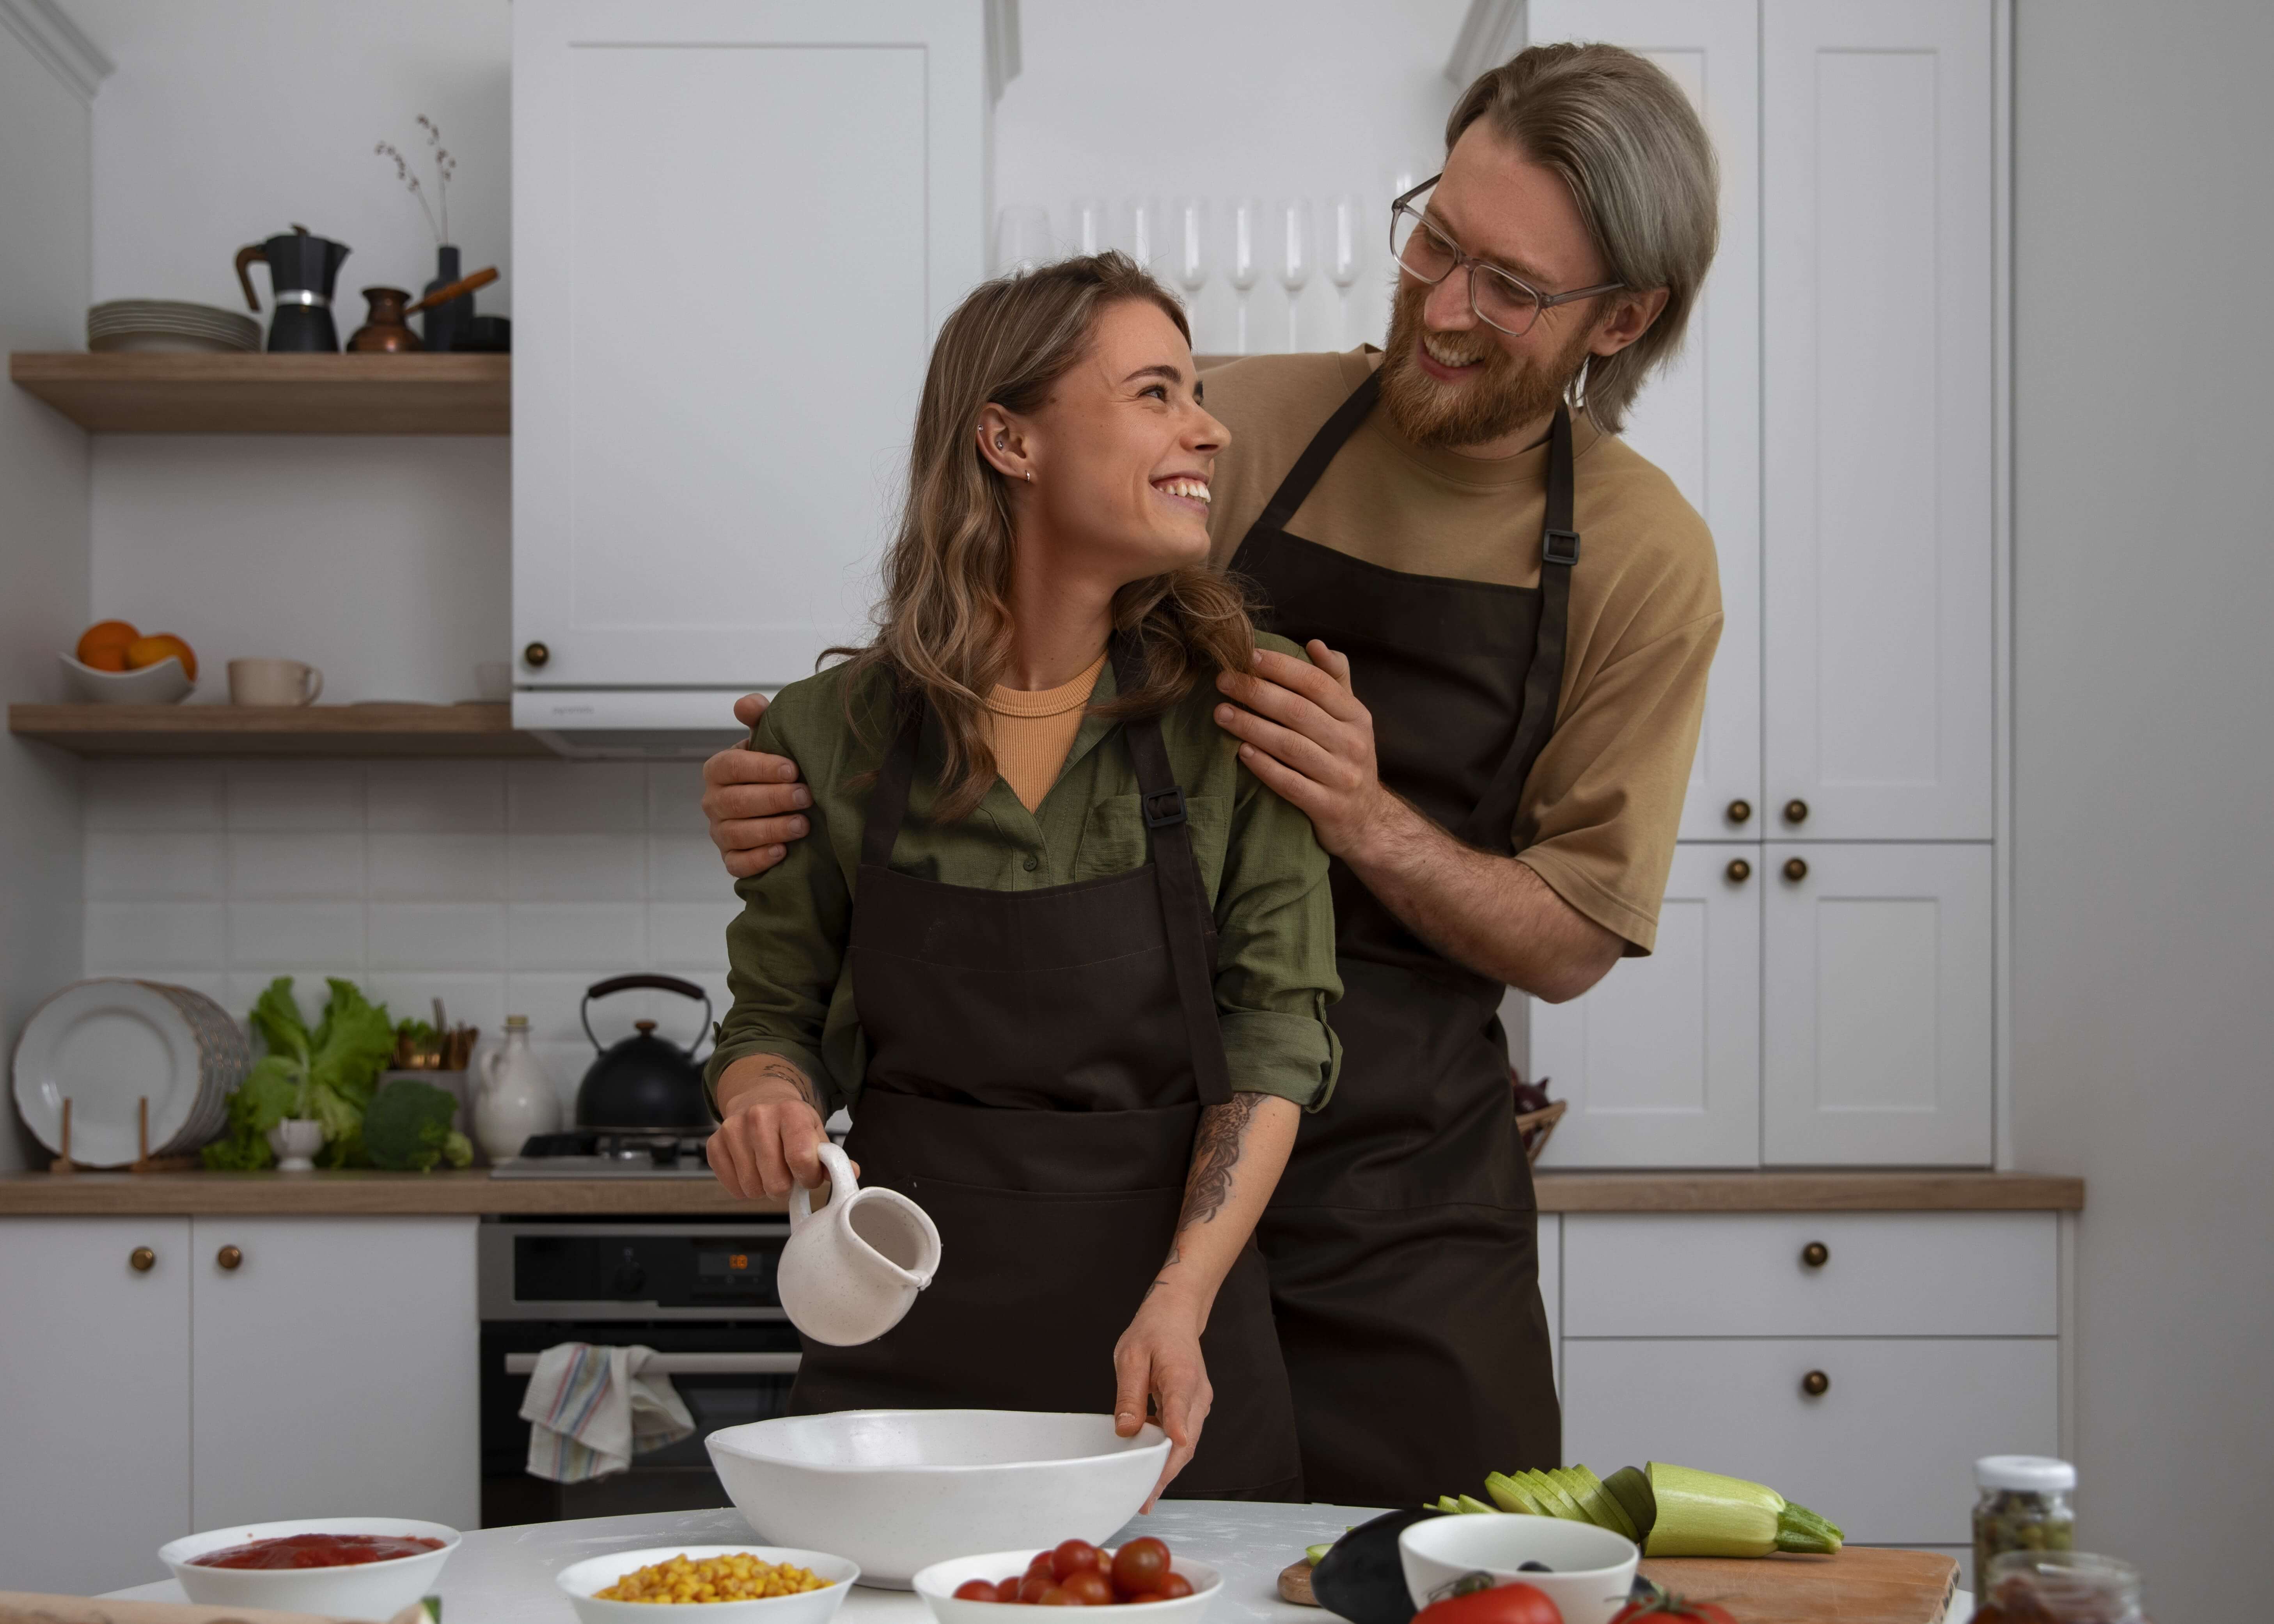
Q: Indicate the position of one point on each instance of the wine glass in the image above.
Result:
(1023, 238)
(1142, 230)
(1089, 226)
(1345, 255)
(1292, 235)
(1188, 247)
(1245, 262)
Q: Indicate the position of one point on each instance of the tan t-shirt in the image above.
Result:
(1032, 729)
(1606, 794)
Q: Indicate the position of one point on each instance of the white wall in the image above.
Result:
(2143, 950)
(1221, 100)
(44, 191)
(382, 560)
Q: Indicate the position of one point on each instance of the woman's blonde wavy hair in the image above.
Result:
(944, 625)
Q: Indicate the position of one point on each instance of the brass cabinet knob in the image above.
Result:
(1740, 811)
(1816, 1254)
(229, 1257)
(1816, 1384)
(142, 1260)
(1739, 871)
(536, 654)
(1795, 868)
(1796, 811)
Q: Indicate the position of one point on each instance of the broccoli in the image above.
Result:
(407, 1129)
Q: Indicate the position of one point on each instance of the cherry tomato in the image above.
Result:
(1138, 1565)
(1057, 1596)
(1175, 1584)
(976, 1590)
(1008, 1590)
(1502, 1604)
(1031, 1587)
(1041, 1564)
(1657, 1607)
(1072, 1557)
(1090, 1587)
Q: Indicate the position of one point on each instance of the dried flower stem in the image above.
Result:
(445, 167)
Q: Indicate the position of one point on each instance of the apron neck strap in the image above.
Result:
(1309, 466)
(1492, 825)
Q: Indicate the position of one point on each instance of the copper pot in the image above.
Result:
(385, 332)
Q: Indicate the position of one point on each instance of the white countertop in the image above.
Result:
(504, 1575)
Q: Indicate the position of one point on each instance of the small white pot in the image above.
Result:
(850, 1271)
(296, 1140)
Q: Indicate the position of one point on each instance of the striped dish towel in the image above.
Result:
(590, 1410)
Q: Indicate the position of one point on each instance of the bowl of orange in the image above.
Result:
(115, 663)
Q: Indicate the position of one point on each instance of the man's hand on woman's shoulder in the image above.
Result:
(753, 802)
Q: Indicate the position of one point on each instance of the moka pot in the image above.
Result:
(302, 270)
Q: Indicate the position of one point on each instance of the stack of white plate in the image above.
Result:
(169, 325)
(105, 1045)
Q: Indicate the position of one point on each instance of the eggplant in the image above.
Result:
(1362, 1578)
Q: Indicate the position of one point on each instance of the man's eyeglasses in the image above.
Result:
(1426, 254)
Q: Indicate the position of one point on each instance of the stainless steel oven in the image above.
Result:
(701, 1294)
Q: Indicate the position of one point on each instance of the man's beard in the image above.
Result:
(1508, 394)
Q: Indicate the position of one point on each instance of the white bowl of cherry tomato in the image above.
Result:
(1142, 1577)
(1507, 1568)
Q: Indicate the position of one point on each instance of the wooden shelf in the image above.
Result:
(274, 393)
(352, 731)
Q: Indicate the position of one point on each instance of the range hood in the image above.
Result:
(629, 724)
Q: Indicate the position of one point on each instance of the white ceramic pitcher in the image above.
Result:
(515, 1098)
(848, 1272)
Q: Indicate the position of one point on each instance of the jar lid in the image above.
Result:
(2039, 1472)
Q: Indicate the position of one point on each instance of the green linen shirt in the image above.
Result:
(788, 967)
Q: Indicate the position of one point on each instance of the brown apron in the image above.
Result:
(1403, 1242)
(1037, 1064)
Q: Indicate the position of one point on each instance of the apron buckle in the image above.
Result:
(1559, 546)
(1164, 808)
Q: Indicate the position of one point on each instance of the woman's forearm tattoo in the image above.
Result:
(1215, 1156)
(782, 1071)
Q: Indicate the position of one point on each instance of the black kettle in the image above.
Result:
(644, 1083)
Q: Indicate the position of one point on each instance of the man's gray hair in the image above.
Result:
(1639, 165)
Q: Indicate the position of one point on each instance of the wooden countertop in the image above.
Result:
(475, 1193)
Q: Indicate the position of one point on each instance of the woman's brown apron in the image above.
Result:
(1403, 1242)
(1037, 1064)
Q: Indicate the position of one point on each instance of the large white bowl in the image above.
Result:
(897, 1490)
(1593, 1569)
(164, 683)
(936, 1585)
(598, 1573)
(366, 1591)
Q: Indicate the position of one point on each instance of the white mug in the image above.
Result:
(848, 1272)
(273, 682)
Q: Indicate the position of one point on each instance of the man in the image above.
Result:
(1512, 615)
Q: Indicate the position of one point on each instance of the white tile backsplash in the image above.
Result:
(502, 888)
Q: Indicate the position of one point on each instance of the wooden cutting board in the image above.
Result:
(1862, 1584)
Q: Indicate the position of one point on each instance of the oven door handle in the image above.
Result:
(687, 1365)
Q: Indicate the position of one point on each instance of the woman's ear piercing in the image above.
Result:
(1030, 476)
(999, 442)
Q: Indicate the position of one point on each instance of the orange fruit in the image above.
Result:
(104, 644)
(149, 651)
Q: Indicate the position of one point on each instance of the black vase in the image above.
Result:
(441, 324)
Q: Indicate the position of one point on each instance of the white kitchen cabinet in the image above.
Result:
(1886, 1450)
(1662, 1061)
(336, 1369)
(736, 228)
(1876, 1004)
(94, 1400)
(1876, 200)
(1699, 419)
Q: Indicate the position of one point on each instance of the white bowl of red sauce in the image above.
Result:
(356, 1567)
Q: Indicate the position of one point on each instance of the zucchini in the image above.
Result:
(1510, 1495)
(1704, 1513)
(1312, 1553)
(1631, 1490)
(1550, 1493)
(1603, 1511)
(1470, 1503)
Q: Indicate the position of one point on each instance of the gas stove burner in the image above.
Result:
(610, 1153)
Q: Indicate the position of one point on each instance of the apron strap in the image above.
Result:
(1184, 913)
(888, 799)
(1490, 826)
(1317, 455)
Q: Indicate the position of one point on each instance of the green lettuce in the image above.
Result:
(328, 1074)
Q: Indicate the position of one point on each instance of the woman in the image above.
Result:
(1086, 1065)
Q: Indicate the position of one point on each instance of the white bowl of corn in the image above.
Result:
(730, 1584)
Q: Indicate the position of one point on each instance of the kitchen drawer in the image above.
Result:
(1745, 1275)
(1888, 1452)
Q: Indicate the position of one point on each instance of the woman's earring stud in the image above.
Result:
(1030, 476)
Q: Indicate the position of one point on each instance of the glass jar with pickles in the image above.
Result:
(2024, 1506)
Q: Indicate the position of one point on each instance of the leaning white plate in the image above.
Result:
(104, 1044)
